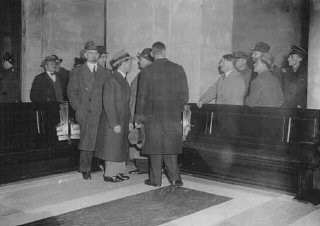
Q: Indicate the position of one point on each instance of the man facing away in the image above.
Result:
(162, 94)
(85, 96)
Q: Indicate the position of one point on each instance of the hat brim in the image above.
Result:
(121, 60)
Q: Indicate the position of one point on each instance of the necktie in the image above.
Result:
(94, 69)
(53, 76)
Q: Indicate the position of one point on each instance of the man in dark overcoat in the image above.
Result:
(112, 143)
(162, 94)
(47, 85)
(295, 79)
(85, 96)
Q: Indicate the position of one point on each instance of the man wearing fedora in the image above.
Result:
(63, 75)
(112, 142)
(47, 85)
(294, 79)
(162, 94)
(145, 59)
(85, 96)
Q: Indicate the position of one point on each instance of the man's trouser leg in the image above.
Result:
(155, 169)
(85, 161)
(172, 167)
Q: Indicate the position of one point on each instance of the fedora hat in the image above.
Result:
(57, 59)
(90, 45)
(146, 54)
(137, 137)
(48, 59)
(240, 54)
(261, 47)
(119, 57)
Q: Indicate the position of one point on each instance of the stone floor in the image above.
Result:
(31, 200)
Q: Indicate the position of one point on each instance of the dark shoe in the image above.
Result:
(86, 175)
(177, 183)
(148, 182)
(136, 171)
(123, 177)
(112, 179)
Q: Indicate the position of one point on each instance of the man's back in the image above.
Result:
(167, 86)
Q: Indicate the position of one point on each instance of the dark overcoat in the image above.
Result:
(265, 91)
(85, 96)
(113, 146)
(162, 93)
(294, 86)
(42, 89)
(9, 86)
(64, 75)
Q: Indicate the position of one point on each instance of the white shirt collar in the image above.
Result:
(92, 65)
(52, 75)
(228, 73)
(122, 73)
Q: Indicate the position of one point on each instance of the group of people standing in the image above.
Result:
(107, 109)
(256, 81)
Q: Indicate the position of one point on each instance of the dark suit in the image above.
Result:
(162, 93)
(113, 146)
(43, 90)
(85, 96)
(294, 86)
(64, 78)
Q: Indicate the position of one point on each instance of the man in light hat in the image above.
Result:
(112, 142)
(294, 79)
(242, 65)
(162, 93)
(229, 88)
(265, 89)
(47, 85)
(85, 96)
(145, 59)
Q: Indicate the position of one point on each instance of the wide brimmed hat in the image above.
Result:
(261, 47)
(119, 57)
(48, 59)
(146, 54)
(299, 51)
(137, 137)
(57, 59)
(240, 54)
(90, 45)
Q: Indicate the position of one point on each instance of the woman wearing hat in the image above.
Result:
(265, 89)
(112, 142)
(294, 79)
